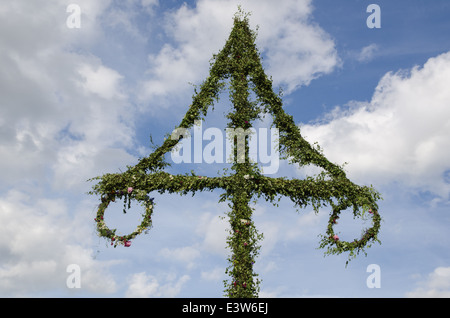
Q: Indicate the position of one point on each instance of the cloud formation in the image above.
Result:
(367, 53)
(297, 51)
(63, 114)
(38, 242)
(142, 285)
(60, 109)
(435, 285)
(401, 135)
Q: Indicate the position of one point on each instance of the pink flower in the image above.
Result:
(245, 243)
(127, 243)
(130, 189)
(370, 211)
(335, 237)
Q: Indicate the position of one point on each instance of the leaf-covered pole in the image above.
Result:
(239, 63)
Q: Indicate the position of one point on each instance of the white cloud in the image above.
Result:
(149, 3)
(187, 255)
(213, 275)
(142, 285)
(306, 226)
(436, 285)
(61, 111)
(270, 266)
(400, 135)
(270, 293)
(367, 53)
(297, 51)
(64, 118)
(102, 81)
(123, 17)
(213, 231)
(38, 242)
(272, 232)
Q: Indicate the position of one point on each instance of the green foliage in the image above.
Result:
(239, 62)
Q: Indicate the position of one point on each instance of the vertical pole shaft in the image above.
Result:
(243, 237)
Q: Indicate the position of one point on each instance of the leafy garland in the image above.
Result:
(240, 63)
(128, 195)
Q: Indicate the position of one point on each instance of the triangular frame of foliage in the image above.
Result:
(239, 63)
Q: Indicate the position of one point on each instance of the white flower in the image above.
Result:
(246, 177)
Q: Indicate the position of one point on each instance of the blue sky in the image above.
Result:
(80, 102)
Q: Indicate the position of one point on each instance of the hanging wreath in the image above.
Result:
(336, 245)
(128, 195)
